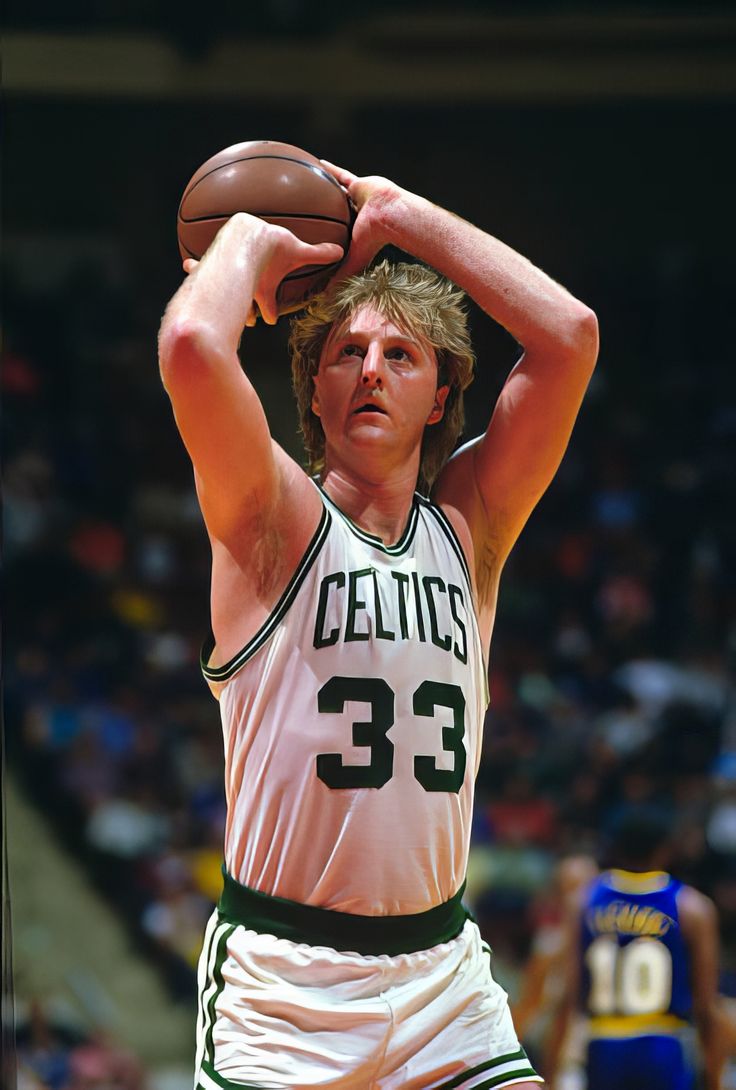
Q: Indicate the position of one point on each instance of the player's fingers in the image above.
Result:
(267, 307)
(344, 177)
(321, 253)
(189, 265)
(363, 248)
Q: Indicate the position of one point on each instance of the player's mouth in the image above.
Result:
(370, 407)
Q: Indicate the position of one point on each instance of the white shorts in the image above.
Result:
(275, 1014)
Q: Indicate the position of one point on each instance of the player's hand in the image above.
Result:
(373, 198)
(279, 252)
(271, 253)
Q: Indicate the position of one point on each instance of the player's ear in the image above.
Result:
(438, 409)
(315, 400)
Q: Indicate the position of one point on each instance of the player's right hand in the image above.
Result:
(281, 253)
(266, 253)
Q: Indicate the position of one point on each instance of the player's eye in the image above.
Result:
(397, 353)
(351, 350)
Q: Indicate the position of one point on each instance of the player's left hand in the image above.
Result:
(373, 198)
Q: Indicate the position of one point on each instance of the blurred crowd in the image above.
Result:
(54, 1053)
(615, 636)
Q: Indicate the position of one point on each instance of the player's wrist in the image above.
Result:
(401, 217)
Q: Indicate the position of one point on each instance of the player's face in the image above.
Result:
(376, 388)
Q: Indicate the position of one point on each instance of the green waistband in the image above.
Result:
(341, 930)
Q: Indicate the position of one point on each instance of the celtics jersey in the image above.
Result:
(352, 723)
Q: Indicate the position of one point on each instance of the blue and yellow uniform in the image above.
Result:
(636, 984)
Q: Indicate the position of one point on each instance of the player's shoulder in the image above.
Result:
(696, 911)
(695, 901)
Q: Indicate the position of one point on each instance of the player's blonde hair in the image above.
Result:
(415, 298)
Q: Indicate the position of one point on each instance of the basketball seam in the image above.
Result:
(313, 271)
(246, 158)
(262, 215)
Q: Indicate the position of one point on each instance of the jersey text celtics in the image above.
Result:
(352, 723)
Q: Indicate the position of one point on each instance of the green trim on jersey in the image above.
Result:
(451, 535)
(342, 931)
(522, 1070)
(398, 547)
(224, 673)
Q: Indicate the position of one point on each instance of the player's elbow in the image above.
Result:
(186, 348)
(583, 336)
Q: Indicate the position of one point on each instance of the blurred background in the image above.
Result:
(595, 138)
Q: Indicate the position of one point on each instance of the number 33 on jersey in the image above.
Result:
(366, 684)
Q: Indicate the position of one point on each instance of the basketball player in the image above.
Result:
(643, 962)
(351, 622)
(543, 976)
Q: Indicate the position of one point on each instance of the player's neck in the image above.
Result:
(378, 507)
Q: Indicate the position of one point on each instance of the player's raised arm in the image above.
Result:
(217, 410)
(496, 480)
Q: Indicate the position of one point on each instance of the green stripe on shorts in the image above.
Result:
(208, 1075)
(209, 1047)
(212, 988)
(527, 1073)
(524, 1070)
(204, 960)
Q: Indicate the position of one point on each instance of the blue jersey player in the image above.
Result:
(643, 968)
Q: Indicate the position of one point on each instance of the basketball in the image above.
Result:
(281, 184)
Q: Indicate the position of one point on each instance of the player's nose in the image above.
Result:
(373, 364)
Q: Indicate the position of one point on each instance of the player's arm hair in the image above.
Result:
(699, 924)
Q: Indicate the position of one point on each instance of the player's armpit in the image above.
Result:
(521, 450)
(497, 479)
(482, 538)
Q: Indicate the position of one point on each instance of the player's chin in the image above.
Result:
(372, 433)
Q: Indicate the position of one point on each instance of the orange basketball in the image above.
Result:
(281, 184)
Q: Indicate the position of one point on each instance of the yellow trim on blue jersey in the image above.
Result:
(634, 1025)
(627, 881)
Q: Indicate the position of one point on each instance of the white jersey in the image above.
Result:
(352, 724)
